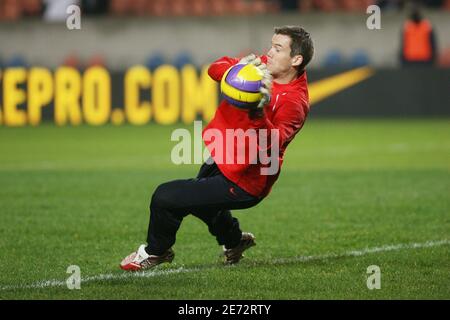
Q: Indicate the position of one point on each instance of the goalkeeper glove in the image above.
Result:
(266, 87)
(247, 59)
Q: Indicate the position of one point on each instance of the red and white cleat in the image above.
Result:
(141, 260)
(234, 255)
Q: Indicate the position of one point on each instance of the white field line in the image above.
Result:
(158, 273)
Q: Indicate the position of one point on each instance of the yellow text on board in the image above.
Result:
(86, 97)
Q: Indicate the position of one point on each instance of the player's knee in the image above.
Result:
(162, 197)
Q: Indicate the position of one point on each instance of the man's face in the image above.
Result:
(279, 56)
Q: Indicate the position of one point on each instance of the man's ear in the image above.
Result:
(297, 60)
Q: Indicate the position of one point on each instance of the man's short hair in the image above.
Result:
(301, 43)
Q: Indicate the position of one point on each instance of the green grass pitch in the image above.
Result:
(79, 196)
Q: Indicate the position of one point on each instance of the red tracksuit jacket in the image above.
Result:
(286, 112)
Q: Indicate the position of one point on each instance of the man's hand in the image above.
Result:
(266, 87)
(251, 59)
(248, 59)
(265, 90)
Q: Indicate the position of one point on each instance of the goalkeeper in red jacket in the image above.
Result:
(221, 186)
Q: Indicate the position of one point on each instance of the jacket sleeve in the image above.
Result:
(218, 67)
(287, 121)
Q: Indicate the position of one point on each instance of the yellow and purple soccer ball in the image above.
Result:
(240, 86)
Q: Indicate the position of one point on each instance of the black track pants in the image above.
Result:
(210, 197)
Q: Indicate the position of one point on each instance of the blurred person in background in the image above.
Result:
(418, 42)
(391, 4)
(94, 7)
